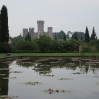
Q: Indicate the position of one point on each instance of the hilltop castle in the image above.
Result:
(40, 31)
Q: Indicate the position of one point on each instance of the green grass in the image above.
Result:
(51, 54)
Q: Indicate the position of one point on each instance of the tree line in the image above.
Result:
(44, 43)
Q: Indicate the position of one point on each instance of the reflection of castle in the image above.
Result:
(40, 29)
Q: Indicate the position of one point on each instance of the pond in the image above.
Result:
(49, 78)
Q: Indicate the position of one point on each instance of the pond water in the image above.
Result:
(49, 78)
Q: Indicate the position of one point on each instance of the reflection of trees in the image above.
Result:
(84, 69)
(4, 82)
(25, 62)
(43, 65)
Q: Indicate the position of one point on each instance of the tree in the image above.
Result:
(61, 35)
(27, 46)
(55, 36)
(16, 40)
(87, 35)
(75, 36)
(93, 35)
(81, 38)
(4, 32)
(44, 43)
(28, 37)
(0, 27)
(64, 36)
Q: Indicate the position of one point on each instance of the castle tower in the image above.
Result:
(31, 31)
(25, 31)
(50, 32)
(40, 24)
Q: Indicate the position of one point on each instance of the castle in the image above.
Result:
(40, 31)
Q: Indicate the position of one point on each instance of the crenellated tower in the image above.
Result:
(31, 31)
(40, 24)
(25, 31)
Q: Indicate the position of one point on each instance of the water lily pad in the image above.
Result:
(66, 79)
(9, 77)
(32, 83)
(50, 91)
(5, 68)
(49, 75)
(7, 97)
(15, 72)
(76, 73)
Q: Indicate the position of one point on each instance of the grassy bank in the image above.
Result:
(51, 54)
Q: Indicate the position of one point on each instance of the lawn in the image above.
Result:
(50, 54)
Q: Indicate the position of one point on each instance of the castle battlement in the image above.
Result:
(40, 31)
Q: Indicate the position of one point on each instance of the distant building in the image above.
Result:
(40, 31)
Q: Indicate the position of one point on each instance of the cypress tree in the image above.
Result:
(28, 37)
(87, 35)
(81, 38)
(4, 25)
(64, 36)
(0, 26)
(55, 36)
(93, 35)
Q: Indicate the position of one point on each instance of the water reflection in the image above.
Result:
(57, 73)
(4, 72)
(45, 65)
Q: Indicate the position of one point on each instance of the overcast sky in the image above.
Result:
(66, 15)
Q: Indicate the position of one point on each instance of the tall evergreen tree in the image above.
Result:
(28, 37)
(55, 36)
(64, 36)
(0, 26)
(87, 37)
(93, 35)
(81, 38)
(4, 32)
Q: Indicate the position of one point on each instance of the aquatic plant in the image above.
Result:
(50, 91)
(66, 79)
(32, 83)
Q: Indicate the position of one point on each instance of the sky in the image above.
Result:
(65, 15)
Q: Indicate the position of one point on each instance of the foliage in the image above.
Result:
(4, 32)
(75, 36)
(80, 35)
(64, 36)
(87, 37)
(93, 35)
(44, 43)
(56, 36)
(16, 40)
(26, 46)
(61, 35)
(28, 37)
(5, 48)
(85, 47)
